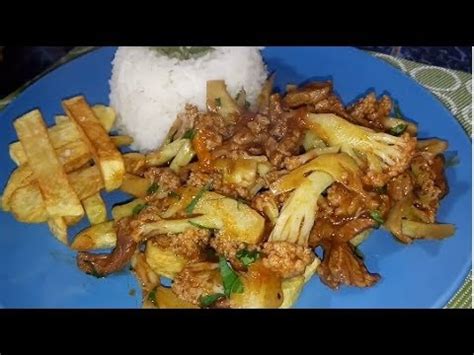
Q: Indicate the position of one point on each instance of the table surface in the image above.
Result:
(18, 65)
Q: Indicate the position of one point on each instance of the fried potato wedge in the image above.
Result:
(98, 236)
(104, 152)
(135, 185)
(86, 182)
(20, 177)
(74, 155)
(125, 210)
(95, 209)
(121, 140)
(135, 163)
(27, 205)
(61, 119)
(58, 227)
(72, 220)
(59, 197)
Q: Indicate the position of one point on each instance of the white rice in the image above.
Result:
(148, 90)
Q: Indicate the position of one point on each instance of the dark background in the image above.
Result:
(20, 64)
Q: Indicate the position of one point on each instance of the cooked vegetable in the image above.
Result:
(125, 210)
(20, 177)
(59, 197)
(387, 155)
(135, 163)
(398, 129)
(166, 298)
(263, 100)
(219, 100)
(138, 208)
(241, 172)
(135, 185)
(397, 126)
(419, 230)
(106, 116)
(58, 227)
(104, 152)
(298, 213)
(209, 300)
(184, 156)
(121, 140)
(248, 257)
(433, 146)
(377, 217)
(165, 154)
(98, 236)
(163, 261)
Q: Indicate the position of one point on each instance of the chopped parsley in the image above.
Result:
(375, 215)
(183, 52)
(396, 111)
(174, 194)
(230, 279)
(209, 300)
(248, 257)
(152, 296)
(138, 208)
(199, 225)
(153, 188)
(189, 134)
(398, 129)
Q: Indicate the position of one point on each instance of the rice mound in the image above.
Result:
(148, 90)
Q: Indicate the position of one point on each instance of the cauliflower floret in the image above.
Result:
(265, 203)
(287, 259)
(382, 154)
(190, 244)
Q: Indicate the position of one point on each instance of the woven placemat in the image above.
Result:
(452, 87)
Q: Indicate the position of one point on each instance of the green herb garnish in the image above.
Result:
(195, 200)
(396, 111)
(138, 208)
(152, 296)
(174, 194)
(230, 279)
(375, 215)
(189, 134)
(153, 188)
(248, 257)
(209, 300)
(398, 129)
(218, 102)
(199, 225)
(183, 53)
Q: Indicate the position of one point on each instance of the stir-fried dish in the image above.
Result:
(241, 206)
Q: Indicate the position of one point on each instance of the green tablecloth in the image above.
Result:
(452, 87)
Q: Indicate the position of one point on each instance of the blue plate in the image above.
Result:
(38, 271)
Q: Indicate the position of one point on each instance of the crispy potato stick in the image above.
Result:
(99, 236)
(26, 204)
(104, 152)
(72, 220)
(135, 185)
(106, 116)
(125, 210)
(134, 163)
(58, 227)
(61, 119)
(20, 177)
(86, 182)
(74, 155)
(95, 209)
(60, 199)
(121, 140)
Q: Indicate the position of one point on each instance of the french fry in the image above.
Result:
(98, 236)
(125, 210)
(59, 197)
(74, 155)
(134, 163)
(17, 154)
(61, 119)
(72, 220)
(86, 182)
(104, 152)
(106, 116)
(26, 204)
(121, 140)
(20, 177)
(58, 227)
(95, 209)
(135, 185)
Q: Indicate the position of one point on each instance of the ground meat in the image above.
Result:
(190, 244)
(309, 94)
(287, 259)
(341, 266)
(165, 178)
(370, 112)
(400, 186)
(228, 248)
(325, 230)
(440, 178)
(342, 203)
(331, 104)
(214, 128)
(184, 121)
(196, 280)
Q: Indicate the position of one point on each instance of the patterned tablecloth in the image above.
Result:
(452, 87)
